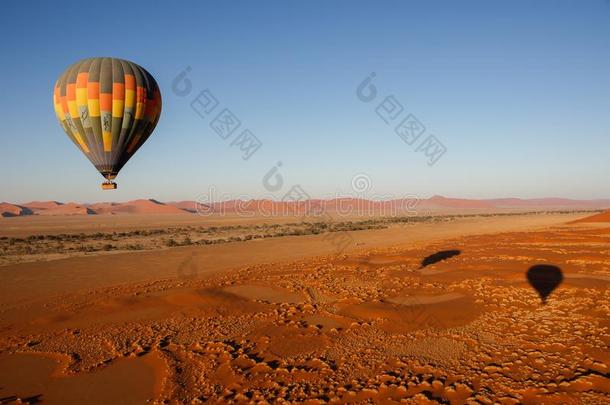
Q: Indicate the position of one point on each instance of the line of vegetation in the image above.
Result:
(199, 235)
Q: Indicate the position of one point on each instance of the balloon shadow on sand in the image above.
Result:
(439, 257)
(544, 278)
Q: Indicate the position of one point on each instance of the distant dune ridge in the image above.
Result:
(38, 206)
(270, 207)
(137, 207)
(67, 209)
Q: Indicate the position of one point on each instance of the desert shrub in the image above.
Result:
(171, 242)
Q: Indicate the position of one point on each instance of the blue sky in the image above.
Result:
(518, 92)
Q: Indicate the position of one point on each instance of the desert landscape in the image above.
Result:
(415, 309)
(305, 202)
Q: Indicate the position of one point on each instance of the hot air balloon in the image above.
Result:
(108, 107)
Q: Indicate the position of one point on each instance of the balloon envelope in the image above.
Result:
(108, 107)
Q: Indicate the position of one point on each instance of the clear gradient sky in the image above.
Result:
(517, 91)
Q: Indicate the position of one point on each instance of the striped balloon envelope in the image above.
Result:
(108, 107)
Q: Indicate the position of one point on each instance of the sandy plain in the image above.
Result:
(349, 316)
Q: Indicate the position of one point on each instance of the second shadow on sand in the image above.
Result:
(439, 257)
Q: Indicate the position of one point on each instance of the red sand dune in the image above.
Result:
(602, 217)
(346, 205)
(270, 207)
(37, 206)
(136, 207)
(190, 206)
(458, 202)
(103, 207)
(68, 209)
(12, 210)
(548, 203)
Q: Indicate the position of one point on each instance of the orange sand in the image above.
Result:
(289, 319)
(603, 217)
